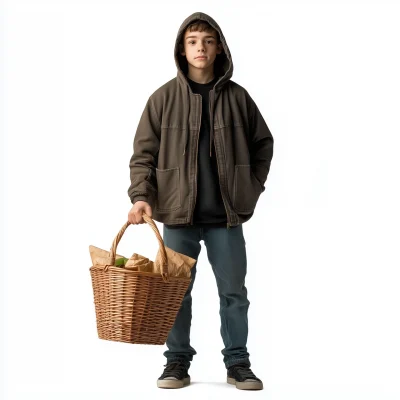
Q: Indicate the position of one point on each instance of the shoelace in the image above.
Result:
(244, 371)
(174, 369)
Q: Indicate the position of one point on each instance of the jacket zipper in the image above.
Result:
(228, 226)
(195, 166)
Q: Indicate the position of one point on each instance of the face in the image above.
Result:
(201, 44)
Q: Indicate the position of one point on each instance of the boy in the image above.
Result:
(202, 153)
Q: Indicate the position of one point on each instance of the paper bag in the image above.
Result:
(100, 256)
(139, 263)
(179, 264)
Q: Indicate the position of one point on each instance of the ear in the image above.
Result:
(220, 48)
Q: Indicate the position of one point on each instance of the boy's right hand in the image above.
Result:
(135, 214)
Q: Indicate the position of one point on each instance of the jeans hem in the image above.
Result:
(237, 361)
(187, 362)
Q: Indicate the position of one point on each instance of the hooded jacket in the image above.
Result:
(163, 167)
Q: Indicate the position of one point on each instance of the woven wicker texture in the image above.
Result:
(134, 306)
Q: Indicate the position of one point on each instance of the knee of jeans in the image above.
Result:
(234, 281)
(233, 290)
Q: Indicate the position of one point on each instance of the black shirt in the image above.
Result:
(209, 208)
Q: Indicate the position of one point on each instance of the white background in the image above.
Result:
(323, 245)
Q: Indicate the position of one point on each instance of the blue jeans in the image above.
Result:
(226, 251)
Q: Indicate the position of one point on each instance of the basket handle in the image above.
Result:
(164, 259)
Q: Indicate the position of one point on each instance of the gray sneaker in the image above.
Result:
(175, 376)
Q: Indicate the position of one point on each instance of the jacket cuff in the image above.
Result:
(139, 198)
(148, 199)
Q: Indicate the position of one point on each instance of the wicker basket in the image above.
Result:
(134, 306)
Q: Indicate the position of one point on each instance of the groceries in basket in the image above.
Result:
(179, 265)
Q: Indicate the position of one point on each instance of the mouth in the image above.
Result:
(201, 58)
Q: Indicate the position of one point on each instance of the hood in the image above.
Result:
(223, 63)
(223, 66)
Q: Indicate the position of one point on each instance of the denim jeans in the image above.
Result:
(226, 251)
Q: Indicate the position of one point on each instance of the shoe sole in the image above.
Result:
(173, 383)
(250, 385)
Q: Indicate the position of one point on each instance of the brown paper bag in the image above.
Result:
(100, 256)
(139, 263)
(179, 264)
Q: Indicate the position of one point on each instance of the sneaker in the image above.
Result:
(175, 376)
(242, 376)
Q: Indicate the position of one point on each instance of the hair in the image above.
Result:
(200, 26)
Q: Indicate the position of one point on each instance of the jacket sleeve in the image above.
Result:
(261, 144)
(143, 162)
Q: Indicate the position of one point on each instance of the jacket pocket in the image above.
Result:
(246, 189)
(168, 189)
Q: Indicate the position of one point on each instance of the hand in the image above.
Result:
(135, 214)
